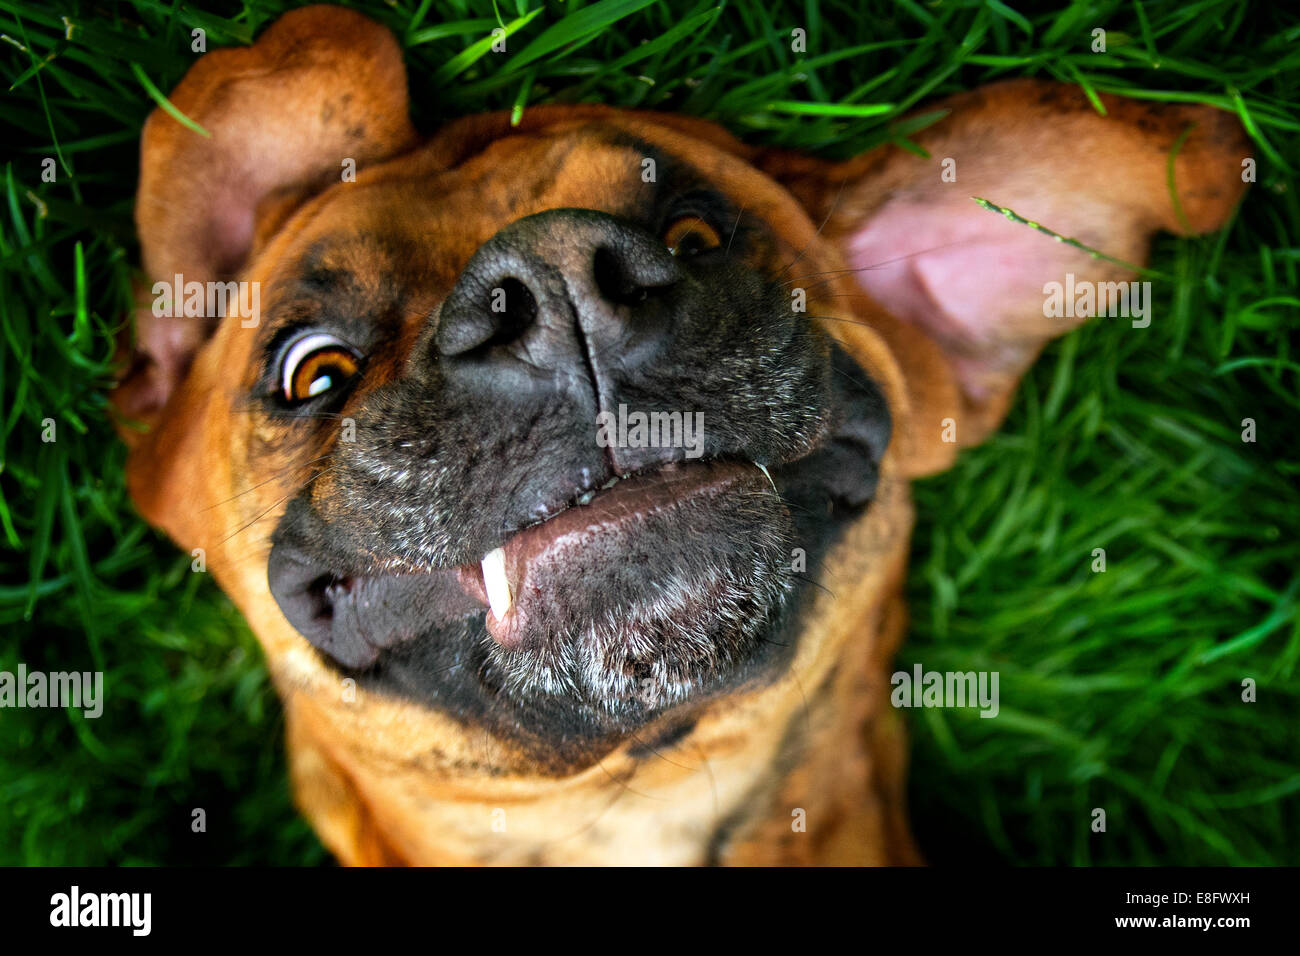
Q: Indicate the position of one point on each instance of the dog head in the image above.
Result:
(531, 448)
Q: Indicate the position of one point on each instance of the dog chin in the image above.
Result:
(687, 601)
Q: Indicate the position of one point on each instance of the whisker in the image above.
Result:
(275, 504)
(881, 264)
(713, 780)
(807, 710)
(658, 754)
(839, 195)
(618, 795)
(277, 476)
(623, 782)
(732, 237)
(816, 584)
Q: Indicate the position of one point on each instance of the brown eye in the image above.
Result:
(690, 236)
(316, 364)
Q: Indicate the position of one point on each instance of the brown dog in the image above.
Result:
(404, 465)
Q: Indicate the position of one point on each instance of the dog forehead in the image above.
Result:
(427, 211)
(687, 137)
(415, 220)
(481, 173)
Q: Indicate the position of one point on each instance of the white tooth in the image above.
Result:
(610, 484)
(494, 580)
(763, 469)
(586, 498)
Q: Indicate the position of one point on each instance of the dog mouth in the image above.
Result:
(642, 592)
(518, 581)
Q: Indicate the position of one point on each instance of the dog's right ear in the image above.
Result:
(323, 86)
(961, 294)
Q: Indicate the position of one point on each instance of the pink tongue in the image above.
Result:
(596, 526)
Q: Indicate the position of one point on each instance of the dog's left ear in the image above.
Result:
(963, 287)
(321, 87)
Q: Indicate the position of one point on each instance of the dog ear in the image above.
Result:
(966, 289)
(321, 87)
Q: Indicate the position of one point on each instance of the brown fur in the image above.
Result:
(385, 781)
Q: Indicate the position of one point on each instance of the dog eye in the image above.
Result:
(315, 364)
(691, 235)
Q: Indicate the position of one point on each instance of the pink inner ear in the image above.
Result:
(963, 275)
(230, 234)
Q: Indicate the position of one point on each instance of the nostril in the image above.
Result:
(514, 308)
(614, 280)
(483, 312)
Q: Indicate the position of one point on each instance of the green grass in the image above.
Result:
(1120, 690)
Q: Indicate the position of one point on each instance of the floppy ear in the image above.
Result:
(322, 85)
(966, 290)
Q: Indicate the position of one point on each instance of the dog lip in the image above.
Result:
(349, 616)
(591, 491)
(612, 509)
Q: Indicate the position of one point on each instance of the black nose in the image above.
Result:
(567, 292)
